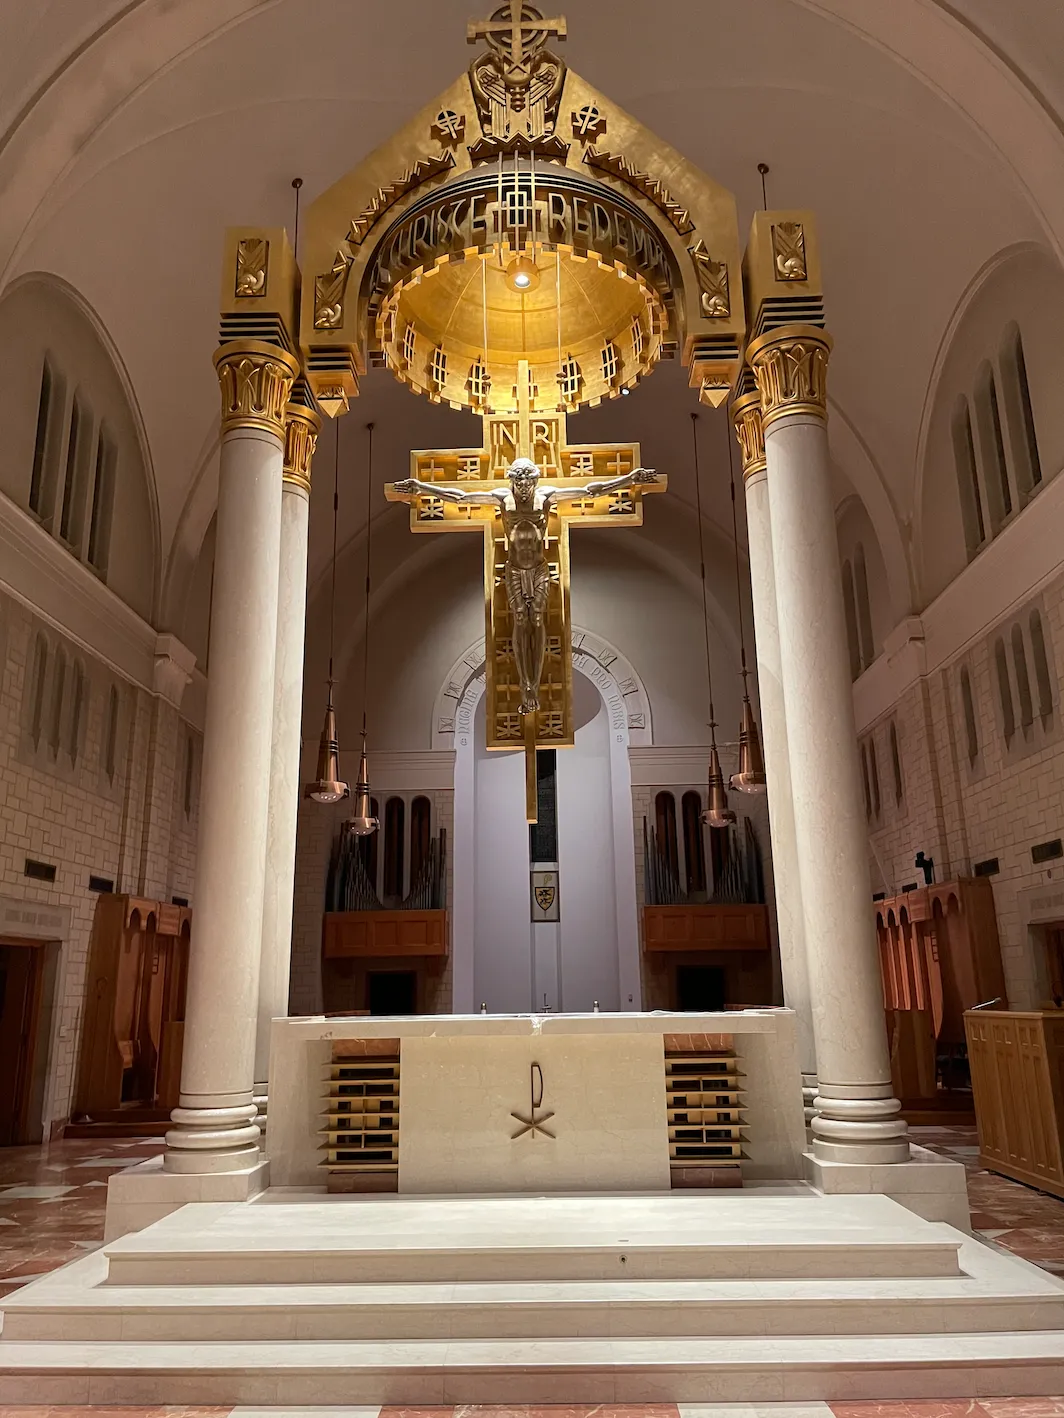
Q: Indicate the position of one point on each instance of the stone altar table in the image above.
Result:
(468, 1082)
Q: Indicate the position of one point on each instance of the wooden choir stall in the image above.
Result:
(940, 956)
(129, 1072)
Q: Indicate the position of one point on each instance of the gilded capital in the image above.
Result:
(255, 379)
(750, 432)
(301, 429)
(791, 368)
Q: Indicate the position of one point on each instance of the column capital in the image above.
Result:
(750, 432)
(301, 428)
(791, 367)
(255, 379)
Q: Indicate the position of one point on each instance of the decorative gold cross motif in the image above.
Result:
(516, 32)
(532, 1125)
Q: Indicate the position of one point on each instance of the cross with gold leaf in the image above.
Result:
(540, 436)
(516, 32)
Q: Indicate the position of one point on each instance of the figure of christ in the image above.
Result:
(524, 510)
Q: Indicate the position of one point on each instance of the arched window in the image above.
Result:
(992, 441)
(968, 479)
(849, 603)
(864, 612)
(420, 836)
(873, 778)
(1042, 676)
(971, 732)
(1008, 713)
(865, 782)
(895, 761)
(39, 682)
(103, 499)
(694, 848)
(72, 513)
(110, 742)
(1023, 679)
(394, 843)
(665, 823)
(55, 727)
(45, 419)
(77, 707)
(1022, 436)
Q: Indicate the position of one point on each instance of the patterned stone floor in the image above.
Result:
(52, 1203)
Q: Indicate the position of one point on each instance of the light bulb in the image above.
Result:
(522, 274)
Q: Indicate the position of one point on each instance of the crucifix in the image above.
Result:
(523, 490)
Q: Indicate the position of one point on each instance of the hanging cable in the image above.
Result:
(702, 561)
(763, 169)
(369, 548)
(738, 578)
(297, 183)
(336, 518)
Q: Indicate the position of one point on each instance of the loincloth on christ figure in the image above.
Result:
(527, 589)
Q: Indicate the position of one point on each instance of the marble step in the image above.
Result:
(622, 1370)
(530, 1311)
(526, 1239)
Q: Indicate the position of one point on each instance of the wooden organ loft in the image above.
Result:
(129, 1072)
(705, 920)
(384, 933)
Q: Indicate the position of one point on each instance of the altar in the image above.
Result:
(535, 1103)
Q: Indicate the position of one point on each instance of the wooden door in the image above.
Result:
(20, 998)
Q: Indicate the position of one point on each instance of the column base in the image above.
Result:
(809, 1096)
(209, 1140)
(260, 1097)
(927, 1184)
(145, 1193)
(864, 1129)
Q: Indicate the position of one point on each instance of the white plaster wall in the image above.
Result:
(588, 929)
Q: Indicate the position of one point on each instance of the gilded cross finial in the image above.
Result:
(516, 33)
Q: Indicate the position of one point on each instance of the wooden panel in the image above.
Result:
(361, 1116)
(384, 933)
(679, 928)
(1017, 1064)
(703, 1101)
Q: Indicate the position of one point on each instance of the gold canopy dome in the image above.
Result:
(521, 263)
(625, 243)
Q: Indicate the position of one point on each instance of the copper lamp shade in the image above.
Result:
(718, 813)
(362, 822)
(751, 775)
(327, 787)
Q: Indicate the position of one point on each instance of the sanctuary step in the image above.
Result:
(765, 1294)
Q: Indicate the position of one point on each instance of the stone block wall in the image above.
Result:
(60, 805)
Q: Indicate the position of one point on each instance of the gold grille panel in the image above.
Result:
(703, 1098)
(361, 1117)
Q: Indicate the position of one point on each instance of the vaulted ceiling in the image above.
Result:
(928, 136)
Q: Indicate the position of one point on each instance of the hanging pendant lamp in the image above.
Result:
(717, 813)
(751, 775)
(362, 822)
(327, 786)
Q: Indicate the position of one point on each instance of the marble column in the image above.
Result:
(214, 1125)
(790, 919)
(301, 434)
(857, 1118)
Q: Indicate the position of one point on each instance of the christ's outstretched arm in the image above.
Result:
(407, 489)
(638, 477)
